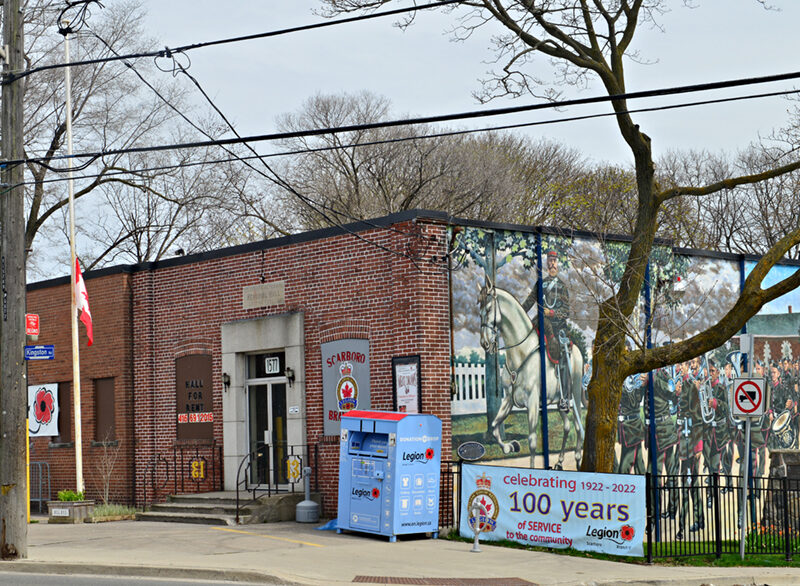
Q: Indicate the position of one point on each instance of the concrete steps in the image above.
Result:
(219, 508)
(211, 508)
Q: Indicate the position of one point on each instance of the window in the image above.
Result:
(105, 429)
(64, 414)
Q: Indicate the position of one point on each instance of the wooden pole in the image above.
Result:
(13, 390)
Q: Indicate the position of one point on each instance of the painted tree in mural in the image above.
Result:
(582, 38)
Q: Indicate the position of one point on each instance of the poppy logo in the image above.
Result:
(429, 454)
(376, 493)
(627, 532)
(43, 406)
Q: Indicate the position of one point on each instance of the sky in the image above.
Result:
(424, 72)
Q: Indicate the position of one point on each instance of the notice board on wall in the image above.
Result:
(193, 397)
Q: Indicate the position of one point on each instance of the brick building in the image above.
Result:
(199, 360)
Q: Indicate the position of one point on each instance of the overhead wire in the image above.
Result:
(274, 177)
(426, 120)
(469, 115)
(167, 52)
(422, 136)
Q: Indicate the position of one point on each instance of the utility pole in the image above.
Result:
(13, 386)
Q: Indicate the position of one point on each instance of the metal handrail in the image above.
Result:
(243, 484)
(171, 467)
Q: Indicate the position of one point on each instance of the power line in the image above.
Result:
(274, 178)
(434, 119)
(167, 52)
(416, 137)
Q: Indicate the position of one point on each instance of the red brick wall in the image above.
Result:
(109, 357)
(345, 286)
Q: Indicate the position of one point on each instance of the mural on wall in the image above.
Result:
(498, 365)
(498, 368)
(776, 332)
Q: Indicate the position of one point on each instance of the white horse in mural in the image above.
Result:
(503, 316)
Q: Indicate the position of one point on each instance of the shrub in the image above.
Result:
(70, 495)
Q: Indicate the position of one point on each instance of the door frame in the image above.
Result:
(269, 383)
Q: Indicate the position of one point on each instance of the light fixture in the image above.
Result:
(289, 372)
(226, 380)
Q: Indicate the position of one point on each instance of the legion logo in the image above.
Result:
(486, 520)
(347, 388)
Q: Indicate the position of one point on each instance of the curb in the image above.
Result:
(743, 580)
(245, 576)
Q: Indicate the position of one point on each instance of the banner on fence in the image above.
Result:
(553, 508)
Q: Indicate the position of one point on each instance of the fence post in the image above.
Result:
(649, 518)
(457, 479)
(787, 532)
(717, 514)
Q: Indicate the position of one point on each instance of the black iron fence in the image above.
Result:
(182, 470)
(694, 515)
(273, 469)
(701, 515)
(449, 494)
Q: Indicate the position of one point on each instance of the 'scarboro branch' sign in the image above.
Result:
(345, 380)
(193, 397)
(555, 508)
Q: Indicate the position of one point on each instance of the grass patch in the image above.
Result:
(474, 428)
(112, 510)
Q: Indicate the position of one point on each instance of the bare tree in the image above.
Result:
(142, 207)
(367, 173)
(583, 38)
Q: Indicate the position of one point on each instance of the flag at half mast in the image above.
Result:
(82, 302)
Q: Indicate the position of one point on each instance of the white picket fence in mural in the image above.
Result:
(470, 397)
(470, 394)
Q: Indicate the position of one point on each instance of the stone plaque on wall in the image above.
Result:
(263, 295)
(193, 394)
(345, 380)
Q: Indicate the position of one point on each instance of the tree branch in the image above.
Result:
(728, 183)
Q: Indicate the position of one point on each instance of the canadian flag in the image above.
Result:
(82, 302)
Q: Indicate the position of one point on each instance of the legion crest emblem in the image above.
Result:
(487, 503)
(347, 388)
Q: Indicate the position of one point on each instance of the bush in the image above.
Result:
(70, 495)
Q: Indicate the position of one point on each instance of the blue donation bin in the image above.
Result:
(389, 468)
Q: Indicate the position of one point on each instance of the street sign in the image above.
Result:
(31, 324)
(47, 352)
(748, 397)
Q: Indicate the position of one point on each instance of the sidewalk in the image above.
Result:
(293, 553)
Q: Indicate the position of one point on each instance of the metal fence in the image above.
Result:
(274, 469)
(181, 470)
(700, 516)
(449, 495)
(40, 484)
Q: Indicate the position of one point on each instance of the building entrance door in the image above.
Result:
(268, 446)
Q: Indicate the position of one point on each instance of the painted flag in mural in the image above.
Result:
(82, 302)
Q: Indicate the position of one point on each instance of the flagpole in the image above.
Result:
(76, 367)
